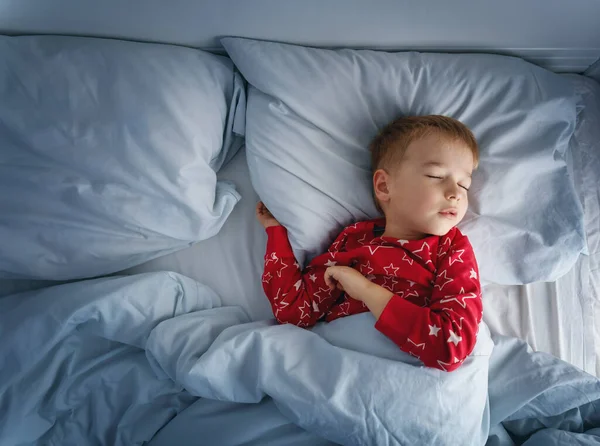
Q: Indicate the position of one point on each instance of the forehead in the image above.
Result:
(437, 149)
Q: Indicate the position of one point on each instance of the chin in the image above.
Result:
(439, 231)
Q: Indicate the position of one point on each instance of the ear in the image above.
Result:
(381, 185)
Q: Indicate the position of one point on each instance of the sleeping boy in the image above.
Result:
(413, 269)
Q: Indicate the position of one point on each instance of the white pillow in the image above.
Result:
(312, 113)
(109, 151)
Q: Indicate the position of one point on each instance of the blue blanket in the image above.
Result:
(114, 361)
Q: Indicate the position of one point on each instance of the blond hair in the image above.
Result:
(390, 144)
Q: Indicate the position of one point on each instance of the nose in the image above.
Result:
(452, 192)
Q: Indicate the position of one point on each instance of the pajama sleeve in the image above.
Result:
(297, 297)
(443, 333)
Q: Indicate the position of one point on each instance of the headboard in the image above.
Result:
(563, 36)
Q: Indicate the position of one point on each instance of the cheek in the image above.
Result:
(464, 206)
(428, 194)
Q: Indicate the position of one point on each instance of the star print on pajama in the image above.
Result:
(436, 308)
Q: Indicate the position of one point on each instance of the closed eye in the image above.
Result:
(441, 178)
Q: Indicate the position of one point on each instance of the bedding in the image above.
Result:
(312, 112)
(110, 151)
(134, 351)
(588, 144)
(147, 346)
(232, 261)
(554, 317)
(562, 317)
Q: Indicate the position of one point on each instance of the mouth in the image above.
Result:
(449, 213)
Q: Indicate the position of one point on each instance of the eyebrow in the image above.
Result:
(436, 164)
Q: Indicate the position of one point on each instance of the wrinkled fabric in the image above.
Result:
(109, 153)
(312, 113)
(112, 361)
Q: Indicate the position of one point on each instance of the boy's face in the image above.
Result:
(427, 193)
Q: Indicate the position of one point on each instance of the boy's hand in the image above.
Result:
(264, 216)
(347, 279)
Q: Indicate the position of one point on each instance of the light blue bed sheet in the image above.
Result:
(123, 360)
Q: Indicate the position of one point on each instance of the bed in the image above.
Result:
(182, 348)
(556, 317)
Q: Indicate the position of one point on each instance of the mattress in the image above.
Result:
(555, 317)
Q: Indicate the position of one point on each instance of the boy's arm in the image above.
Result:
(443, 333)
(297, 297)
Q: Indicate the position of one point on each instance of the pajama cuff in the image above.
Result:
(398, 319)
(277, 240)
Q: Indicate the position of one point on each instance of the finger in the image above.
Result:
(329, 281)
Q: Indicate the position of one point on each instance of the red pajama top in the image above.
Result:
(436, 308)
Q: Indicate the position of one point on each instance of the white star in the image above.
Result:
(315, 307)
(442, 364)
(416, 356)
(422, 250)
(297, 285)
(280, 306)
(371, 277)
(334, 246)
(463, 297)
(297, 265)
(389, 268)
(282, 268)
(421, 345)
(441, 251)
(304, 308)
(391, 286)
(362, 240)
(433, 330)
(366, 267)
(272, 259)
(447, 280)
(473, 274)
(454, 338)
(411, 283)
(327, 291)
(312, 277)
(344, 308)
(267, 278)
(412, 293)
(330, 263)
(402, 242)
(407, 259)
(458, 258)
(373, 248)
(459, 323)
(456, 360)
